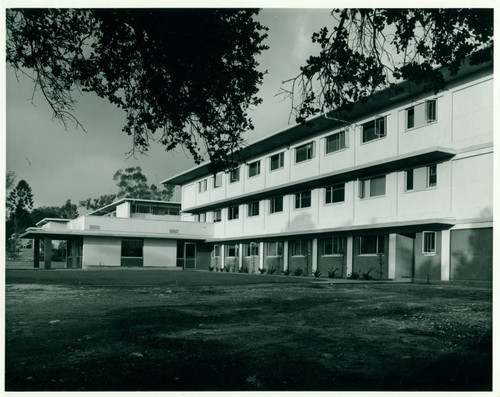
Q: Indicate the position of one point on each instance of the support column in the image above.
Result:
(47, 253)
(285, 255)
(314, 255)
(36, 253)
(261, 255)
(445, 255)
(391, 258)
(240, 256)
(222, 256)
(349, 255)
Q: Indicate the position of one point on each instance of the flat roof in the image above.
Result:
(111, 207)
(317, 125)
(44, 221)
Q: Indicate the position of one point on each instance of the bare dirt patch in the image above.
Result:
(254, 337)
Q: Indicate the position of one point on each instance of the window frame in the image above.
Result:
(342, 145)
(361, 187)
(202, 186)
(251, 209)
(278, 246)
(200, 216)
(234, 247)
(272, 208)
(252, 249)
(217, 183)
(294, 244)
(430, 175)
(331, 194)
(299, 199)
(379, 238)
(434, 110)
(425, 249)
(216, 218)
(233, 213)
(281, 161)
(251, 166)
(216, 250)
(407, 173)
(341, 245)
(376, 121)
(124, 248)
(234, 175)
(412, 110)
(310, 150)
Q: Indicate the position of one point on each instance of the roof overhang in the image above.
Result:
(44, 221)
(112, 207)
(406, 161)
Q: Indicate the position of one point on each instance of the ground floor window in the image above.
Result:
(232, 250)
(333, 246)
(275, 248)
(369, 245)
(132, 248)
(429, 243)
(298, 247)
(216, 251)
(252, 249)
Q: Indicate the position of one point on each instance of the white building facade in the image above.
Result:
(402, 187)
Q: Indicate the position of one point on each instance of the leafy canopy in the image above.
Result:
(370, 49)
(184, 77)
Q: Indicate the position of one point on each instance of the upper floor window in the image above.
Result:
(253, 209)
(432, 175)
(254, 169)
(303, 199)
(276, 204)
(409, 180)
(217, 215)
(202, 186)
(374, 129)
(370, 245)
(234, 175)
(335, 193)
(421, 114)
(201, 217)
(217, 180)
(335, 142)
(334, 246)
(429, 243)
(304, 152)
(275, 248)
(277, 161)
(233, 212)
(372, 187)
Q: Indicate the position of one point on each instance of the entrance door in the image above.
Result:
(189, 256)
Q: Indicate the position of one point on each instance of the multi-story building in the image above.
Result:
(399, 187)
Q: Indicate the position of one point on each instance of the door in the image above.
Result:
(189, 256)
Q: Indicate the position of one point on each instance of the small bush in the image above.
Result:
(244, 269)
(331, 272)
(353, 276)
(316, 273)
(298, 271)
(211, 268)
(262, 271)
(271, 270)
(367, 275)
(227, 269)
(287, 272)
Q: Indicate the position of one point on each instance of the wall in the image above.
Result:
(404, 256)
(427, 264)
(325, 263)
(471, 254)
(159, 252)
(362, 263)
(101, 251)
(123, 210)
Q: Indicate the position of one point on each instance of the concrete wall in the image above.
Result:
(471, 254)
(404, 256)
(361, 263)
(159, 253)
(101, 251)
(427, 264)
(123, 210)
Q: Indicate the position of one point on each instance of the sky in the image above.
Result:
(72, 164)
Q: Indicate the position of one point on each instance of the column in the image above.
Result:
(349, 255)
(391, 260)
(36, 253)
(314, 255)
(240, 256)
(285, 255)
(222, 256)
(445, 255)
(261, 255)
(47, 242)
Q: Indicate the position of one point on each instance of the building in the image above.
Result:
(401, 187)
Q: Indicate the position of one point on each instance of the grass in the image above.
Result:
(218, 332)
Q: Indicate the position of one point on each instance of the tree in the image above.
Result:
(19, 204)
(66, 211)
(131, 183)
(10, 180)
(184, 77)
(370, 49)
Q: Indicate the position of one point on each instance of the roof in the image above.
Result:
(112, 207)
(289, 135)
(44, 221)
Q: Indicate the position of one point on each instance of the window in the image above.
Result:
(432, 175)
(304, 152)
(234, 175)
(254, 169)
(201, 217)
(277, 161)
(202, 186)
(421, 114)
(216, 251)
(374, 129)
(371, 245)
(252, 249)
(409, 180)
(232, 250)
(372, 187)
(298, 247)
(253, 209)
(335, 142)
(217, 180)
(217, 215)
(276, 204)
(334, 246)
(303, 200)
(233, 213)
(275, 248)
(429, 243)
(132, 247)
(335, 194)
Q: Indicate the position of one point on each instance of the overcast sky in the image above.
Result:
(71, 164)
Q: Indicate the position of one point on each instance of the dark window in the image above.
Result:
(304, 152)
(298, 247)
(334, 246)
(374, 129)
(253, 209)
(335, 142)
(254, 169)
(217, 215)
(277, 161)
(233, 213)
(234, 175)
(410, 117)
(335, 194)
(429, 243)
(217, 181)
(202, 186)
(132, 248)
(432, 175)
(232, 250)
(409, 180)
(371, 245)
(276, 204)
(275, 248)
(303, 200)
(252, 249)
(430, 111)
(372, 187)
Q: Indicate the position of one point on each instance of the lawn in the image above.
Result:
(137, 330)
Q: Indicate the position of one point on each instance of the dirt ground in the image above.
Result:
(218, 335)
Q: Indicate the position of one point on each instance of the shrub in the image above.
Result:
(244, 269)
(367, 275)
(271, 270)
(316, 273)
(353, 276)
(287, 272)
(262, 271)
(331, 272)
(298, 271)
(211, 268)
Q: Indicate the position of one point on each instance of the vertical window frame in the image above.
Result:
(280, 160)
(432, 175)
(254, 169)
(429, 243)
